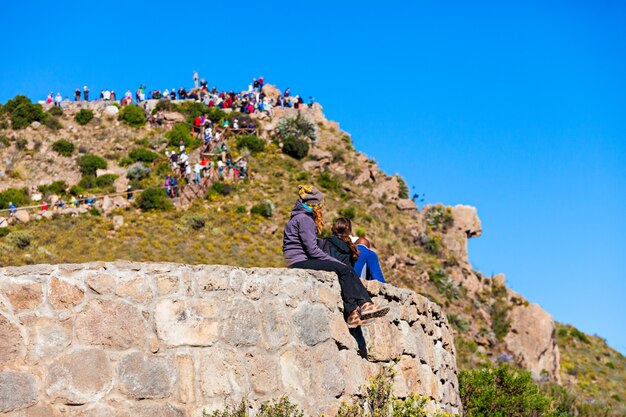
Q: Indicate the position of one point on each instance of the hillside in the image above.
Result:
(422, 250)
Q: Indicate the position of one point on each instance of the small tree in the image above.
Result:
(83, 117)
(295, 147)
(154, 199)
(251, 142)
(63, 147)
(133, 116)
(180, 132)
(89, 164)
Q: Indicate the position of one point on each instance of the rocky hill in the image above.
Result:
(424, 250)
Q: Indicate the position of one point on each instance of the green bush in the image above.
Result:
(57, 187)
(20, 239)
(14, 103)
(76, 190)
(221, 188)
(154, 199)
(439, 218)
(458, 322)
(138, 171)
(21, 144)
(126, 161)
(251, 142)
(298, 127)
(56, 111)
(53, 123)
(4, 141)
(179, 132)
(63, 147)
(133, 115)
(19, 197)
(90, 163)
(162, 105)
(194, 221)
(83, 117)
(25, 114)
(105, 180)
(328, 182)
(4, 231)
(348, 212)
(445, 284)
(404, 189)
(295, 147)
(143, 155)
(501, 392)
(431, 243)
(265, 209)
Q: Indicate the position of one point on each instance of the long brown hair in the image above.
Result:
(318, 218)
(342, 227)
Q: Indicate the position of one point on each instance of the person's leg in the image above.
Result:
(350, 292)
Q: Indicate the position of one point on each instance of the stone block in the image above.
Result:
(383, 340)
(186, 379)
(187, 322)
(311, 323)
(340, 333)
(11, 341)
(144, 377)
(111, 323)
(262, 371)
(222, 372)
(156, 410)
(24, 296)
(253, 287)
(167, 284)
(327, 371)
(64, 295)
(275, 325)
(295, 373)
(239, 323)
(18, 390)
(101, 283)
(136, 289)
(50, 337)
(78, 377)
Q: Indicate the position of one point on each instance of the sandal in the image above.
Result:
(371, 311)
(354, 320)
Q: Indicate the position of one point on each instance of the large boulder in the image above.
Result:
(22, 216)
(110, 112)
(271, 91)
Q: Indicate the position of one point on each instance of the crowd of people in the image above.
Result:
(253, 100)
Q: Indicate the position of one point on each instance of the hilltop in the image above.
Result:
(240, 223)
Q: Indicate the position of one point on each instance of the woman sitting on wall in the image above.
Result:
(301, 251)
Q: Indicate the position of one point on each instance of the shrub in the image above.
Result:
(577, 334)
(265, 209)
(221, 188)
(76, 190)
(251, 142)
(126, 161)
(53, 123)
(500, 323)
(14, 103)
(63, 147)
(439, 218)
(4, 231)
(360, 232)
(18, 197)
(57, 187)
(499, 392)
(458, 322)
(154, 199)
(162, 105)
(302, 176)
(430, 243)
(90, 163)
(295, 147)
(133, 115)
(25, 114)
(404, 189)
(19, 239)
(83, 117)
(56, 111)
(5, 141)
(21, 144)
(348, 212)
(180, 132)
(138, 171)
(328, 182)
(445, 284)
(105, 180)
(298, 127)
(143, 155)
(193, 220)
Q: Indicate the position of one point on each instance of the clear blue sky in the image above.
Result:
(519, 109)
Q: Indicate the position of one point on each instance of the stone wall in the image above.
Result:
(154, 339)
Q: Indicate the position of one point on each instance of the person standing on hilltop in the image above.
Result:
(195, 78)
(301, 251)
(86, 93)
(77, 95)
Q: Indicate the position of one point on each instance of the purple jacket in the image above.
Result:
(300, 240)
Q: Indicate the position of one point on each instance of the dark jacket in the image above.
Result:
(299, 238)
(338, 249)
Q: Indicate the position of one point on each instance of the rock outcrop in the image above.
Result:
(148, 339)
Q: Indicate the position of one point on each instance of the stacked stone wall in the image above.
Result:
(153, 339)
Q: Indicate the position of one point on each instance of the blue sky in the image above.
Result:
(517, 109)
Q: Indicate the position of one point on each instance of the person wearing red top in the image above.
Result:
(44, 206)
